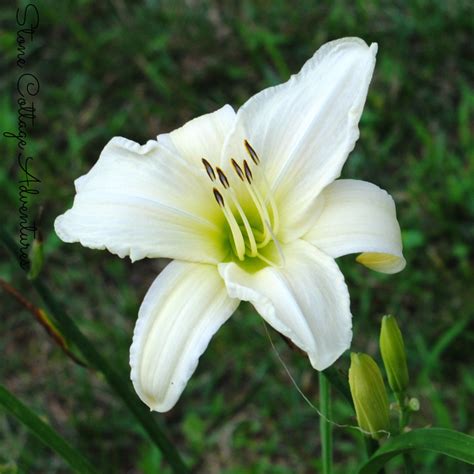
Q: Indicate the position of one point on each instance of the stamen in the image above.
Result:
(234, 227)
(266, 260)
(276, 217)
(279, 249)
(278, 246)
(248, 172)
(209, 169)
(269, 198)
(248, 228)
(230, 193)
(223, 178)
(237, 169)
(218, 196)
(245, 239)
(252, 153)
(260, 206)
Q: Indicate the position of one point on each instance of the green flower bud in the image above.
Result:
(393, 354)
(369, 395)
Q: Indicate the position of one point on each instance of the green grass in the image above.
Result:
(136, 70)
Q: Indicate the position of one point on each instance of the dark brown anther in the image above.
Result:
(252, 153)
(209, 169)
(248, 172)
(218, 196)
(223, 178)
(237, 169)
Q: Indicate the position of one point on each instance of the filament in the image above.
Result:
(234, 227)
(245, 239)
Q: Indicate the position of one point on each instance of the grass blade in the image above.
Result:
(44, 432)
(448, 442)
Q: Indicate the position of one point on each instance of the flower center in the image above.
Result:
(252, 217)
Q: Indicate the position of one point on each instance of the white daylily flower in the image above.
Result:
(248, 207)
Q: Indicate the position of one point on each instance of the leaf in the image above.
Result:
(44, 432)
(439, 440)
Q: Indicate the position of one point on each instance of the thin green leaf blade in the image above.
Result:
(439, 440)
(44, 432)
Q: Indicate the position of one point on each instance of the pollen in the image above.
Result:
(209, 169)
(252, 153)
(237, 169)
(248, 172)
(223, 178)
(218, 196)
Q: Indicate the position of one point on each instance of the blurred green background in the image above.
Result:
(137, 69)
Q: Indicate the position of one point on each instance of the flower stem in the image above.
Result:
(324, 423)
(403, 421)
(371, 445)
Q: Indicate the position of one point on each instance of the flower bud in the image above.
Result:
(369, 395)
(393, 354)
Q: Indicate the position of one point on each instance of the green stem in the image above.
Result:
(404, 419)
(409, 464)
(403, 416)
(115, 379)
(371, 446)
(324, 423)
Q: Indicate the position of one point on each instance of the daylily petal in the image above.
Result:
(202, 137)
(306, 300)
(142, 201)
(184, 307)
(359, 217)
(304, 129)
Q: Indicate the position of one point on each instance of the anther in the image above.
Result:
(223, 178)
(248, 172)
(218, 196)
(209, 169)
(252, 153)
(237, 169)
